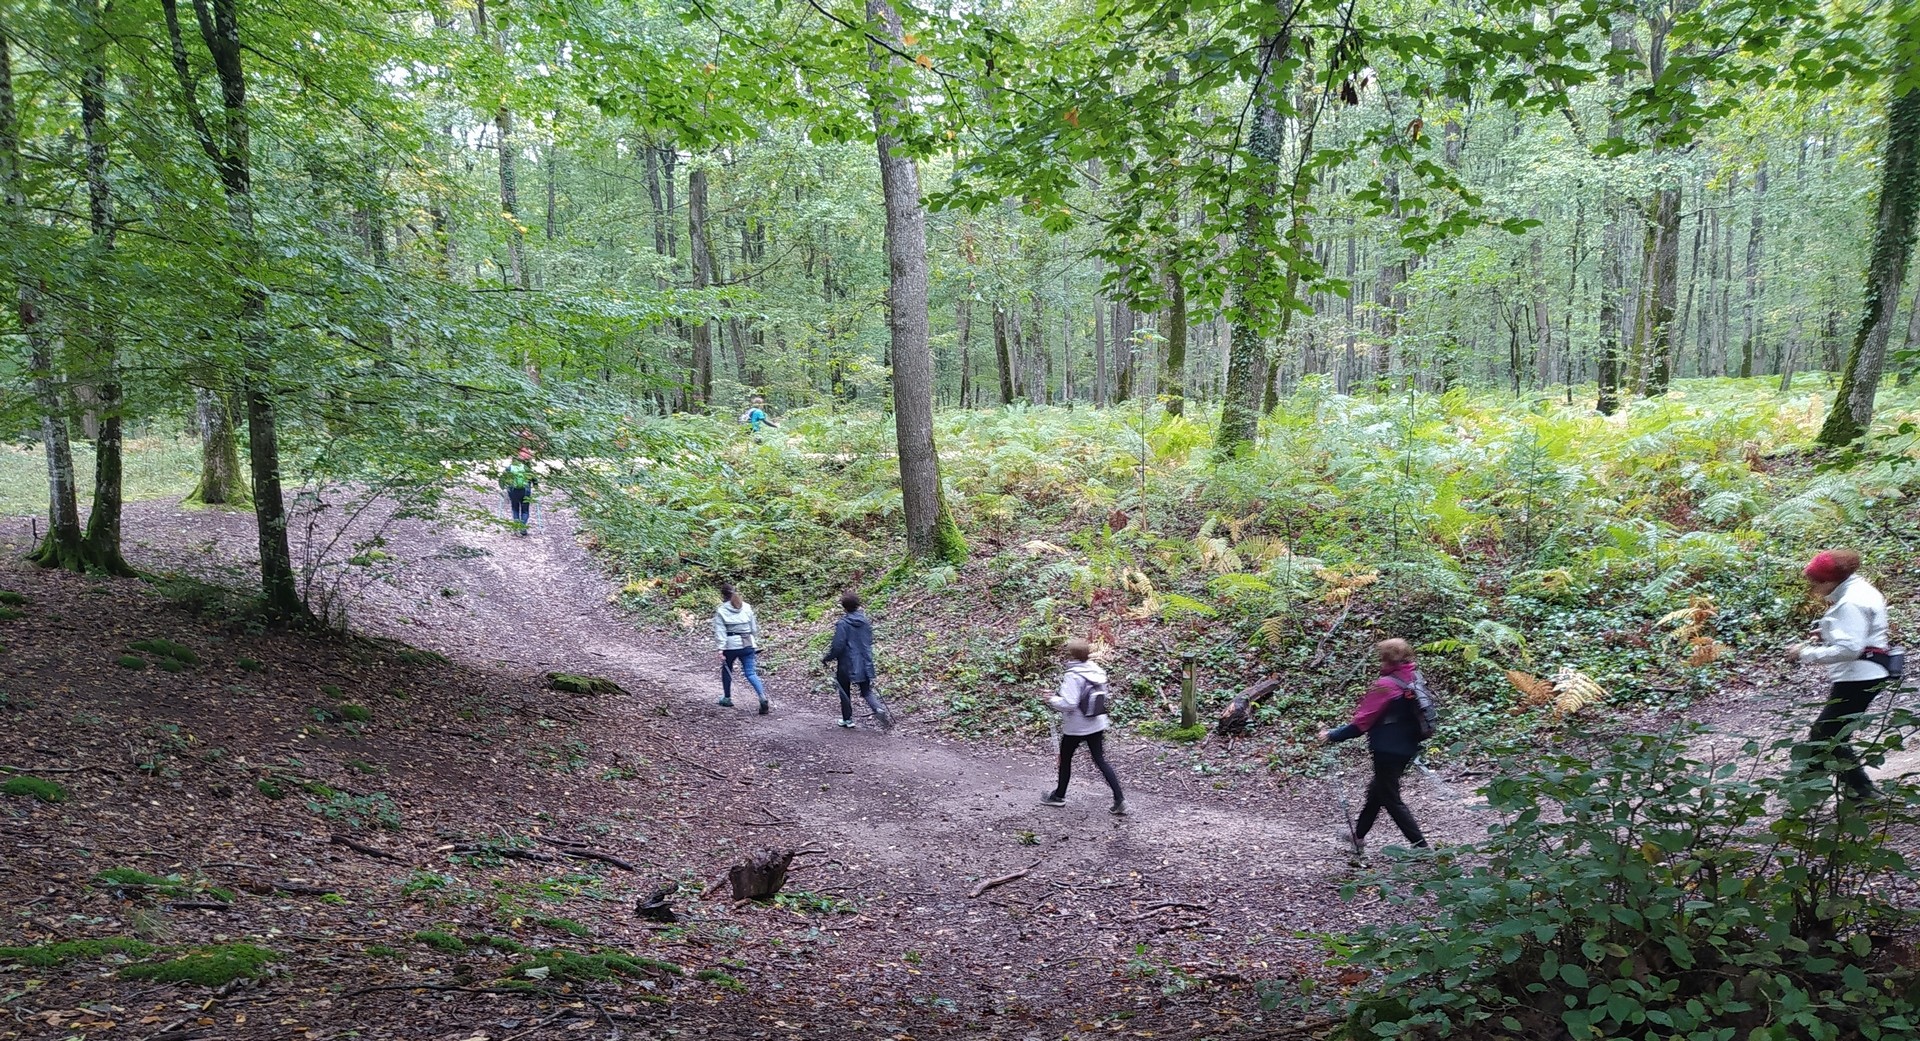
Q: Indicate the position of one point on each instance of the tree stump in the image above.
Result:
(657, 905)
(761, 876)
(587, 685)
(1234, 719)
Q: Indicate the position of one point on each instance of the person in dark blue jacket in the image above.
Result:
(1386, 716)
(852, 659)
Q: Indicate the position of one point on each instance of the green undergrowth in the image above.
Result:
(37, 788)
(562, 966)
(214, 966)
(1499, 534)
(51, 955)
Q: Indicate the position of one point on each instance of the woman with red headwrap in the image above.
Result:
(1852, 643)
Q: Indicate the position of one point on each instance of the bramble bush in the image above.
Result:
(1647, 893)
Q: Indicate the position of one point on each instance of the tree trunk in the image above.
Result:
(1099, 343)
(1613, 247)
(231, 153)
(1911, 352)
(702, 258)
(221, 483)
(61, 548)
(1893, 232)
(1663, 286)
(1002, 357)
(1036, 356)
(931, 533)
(963, 320)
(1173, 339)
(100, 546)
(1122, 346)
(1755, 232)
(1246, 350)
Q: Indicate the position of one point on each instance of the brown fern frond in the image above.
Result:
(1534, 691)
(1706, 650)
(1573, 691)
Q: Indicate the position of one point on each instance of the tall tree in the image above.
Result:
(230, 150)
(100, 546)
(1756, 232)
(61, 547)
(1893, 233)
(1253, 281)
(702, 252)
(931, 533)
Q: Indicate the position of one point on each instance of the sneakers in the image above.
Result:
(1119, 808)
(848, 724)
(765, 706)
(725, 702)
(1052, 799)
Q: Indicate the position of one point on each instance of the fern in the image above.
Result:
(1173, 605)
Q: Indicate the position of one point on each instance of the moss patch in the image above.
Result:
(163, 885)
(34, 788)
(440, 941)
(559, 966)
(354, 713)
(572, 683)
(207, 966)
(49, 955)
(11, 598)
(132, 661)
(168, 649)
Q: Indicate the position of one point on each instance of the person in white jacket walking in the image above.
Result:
(1852, 642)
(1080, 725)
(736, 630)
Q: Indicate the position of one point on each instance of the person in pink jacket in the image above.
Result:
(1388, 715)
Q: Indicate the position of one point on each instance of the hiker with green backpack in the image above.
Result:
(1397, 715)
(1083, 705)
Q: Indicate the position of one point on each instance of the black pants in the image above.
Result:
(520, 501)
(846, 686)
(1383, 793)
(1845, 703)
(1096, 743)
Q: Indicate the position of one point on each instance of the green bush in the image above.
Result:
(34, 788)
(207, 966)
(1646, 894)
(50, 955)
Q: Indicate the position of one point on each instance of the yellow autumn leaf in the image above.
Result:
(910, 39)
(924, 62)
(1650, 851)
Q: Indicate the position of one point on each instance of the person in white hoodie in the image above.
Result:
(1852, 642)
(1081, 722)
(736, 630)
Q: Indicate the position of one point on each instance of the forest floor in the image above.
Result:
(416, 844)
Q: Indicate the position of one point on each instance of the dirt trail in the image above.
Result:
(1220, 882)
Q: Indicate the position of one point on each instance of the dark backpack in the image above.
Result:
(1424, 707)
(1094, 700)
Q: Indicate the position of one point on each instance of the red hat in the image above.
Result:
(1827, 566)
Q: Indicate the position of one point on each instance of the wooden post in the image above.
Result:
(1189, 711)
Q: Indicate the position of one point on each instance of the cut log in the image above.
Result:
(761, 876)
(1234, 719)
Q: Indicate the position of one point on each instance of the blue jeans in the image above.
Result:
(520, 501)
(746, 656)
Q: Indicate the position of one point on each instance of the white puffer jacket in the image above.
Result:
(1856, 621)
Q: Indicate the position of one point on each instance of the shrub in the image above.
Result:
(34, 788)
(207, 966)
(1649, 894)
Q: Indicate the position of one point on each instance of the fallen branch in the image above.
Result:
(580, 852)
(47, 769)
(450, 987)
(363, 848)
(1001, 880)
(702, 767)
(200, 905)
(1154, 909)
(503, 852)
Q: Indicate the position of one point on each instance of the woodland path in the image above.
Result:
(1159, 921)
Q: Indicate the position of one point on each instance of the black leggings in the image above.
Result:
(1845, 703)
(1383, 793)
(1096, 743)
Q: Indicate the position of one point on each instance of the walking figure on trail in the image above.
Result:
(519, 480)
(1852, 642)
(1082, 704)
(1390, 716)
(851, 656)
(756, 414)
(736, 629)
